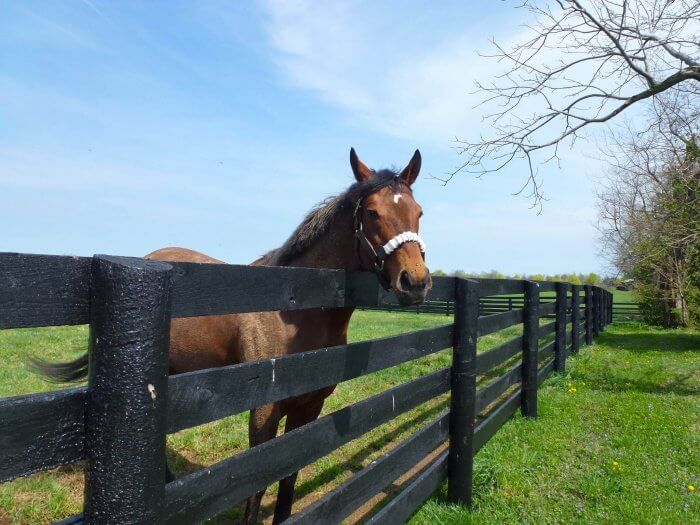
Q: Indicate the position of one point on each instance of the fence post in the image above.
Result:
(598, 310)
(588, 312)
(125, 415)
(560, 328)
(611, 301)
(594, 311)
(603, 309)
(463, 394)
(605, 300)
(575, 317)
(531, 328)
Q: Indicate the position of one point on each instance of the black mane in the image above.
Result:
(319, 220)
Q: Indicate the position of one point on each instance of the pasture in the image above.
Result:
(636, 402)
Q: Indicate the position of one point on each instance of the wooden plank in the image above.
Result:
(500, 286)
(488, 427)
(363, 290)
(546, 286)
(125, 414)
(212, 289)
(43, 290)
(544, 371)
(206, 395)
(41, 431)
(414, 495)
(496, 322)
(546, 351)
(212, 490)
(487, 395)
(495, 356)
(342, 501)
(547, 329)
(531, 324)
(547, 308)
(463, 393)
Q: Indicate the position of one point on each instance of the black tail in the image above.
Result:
(69, 372)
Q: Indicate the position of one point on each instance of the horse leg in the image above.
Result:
(285, 496)
(263, 425)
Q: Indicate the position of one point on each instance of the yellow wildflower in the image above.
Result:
(691, 488)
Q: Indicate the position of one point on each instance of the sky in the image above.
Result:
(131, 126)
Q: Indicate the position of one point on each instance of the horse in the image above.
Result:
(371, 226)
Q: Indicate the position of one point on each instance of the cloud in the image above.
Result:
(387, 77)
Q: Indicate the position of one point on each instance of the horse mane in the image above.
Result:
(322, 216)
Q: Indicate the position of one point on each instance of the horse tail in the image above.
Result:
(67, 372)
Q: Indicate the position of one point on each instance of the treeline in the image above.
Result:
(574, 278)
(649, 215)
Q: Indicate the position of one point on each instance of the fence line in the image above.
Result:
(129, 302)
(622, 310)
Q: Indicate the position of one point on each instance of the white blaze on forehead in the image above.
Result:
(397, 196)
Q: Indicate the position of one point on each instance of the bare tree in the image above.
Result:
(585, 63)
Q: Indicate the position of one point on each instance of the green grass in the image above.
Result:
(636, 403)
(621, 296)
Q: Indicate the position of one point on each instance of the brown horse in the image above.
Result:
(373, 225)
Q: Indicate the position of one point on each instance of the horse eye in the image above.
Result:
(373, 214)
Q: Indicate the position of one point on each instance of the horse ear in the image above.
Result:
(361, 171)
(410, 172)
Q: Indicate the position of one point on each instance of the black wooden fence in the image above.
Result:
(626, 311)
(622, 311)
(118, 423)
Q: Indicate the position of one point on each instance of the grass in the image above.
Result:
(622, 448)
(624, 296)
(636, 402)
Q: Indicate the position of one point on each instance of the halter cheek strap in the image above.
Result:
(379, 254)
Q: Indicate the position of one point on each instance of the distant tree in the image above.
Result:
(592, 278)
(649, 214)
(438, 273)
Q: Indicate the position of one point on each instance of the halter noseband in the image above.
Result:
(379, 254)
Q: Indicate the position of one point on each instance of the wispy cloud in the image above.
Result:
(385, 76)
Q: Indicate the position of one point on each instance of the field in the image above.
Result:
(622, 447)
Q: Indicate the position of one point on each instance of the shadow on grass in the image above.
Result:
(182, 466)
(646, 361)
(640, 341)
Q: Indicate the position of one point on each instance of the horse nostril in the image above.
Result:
(405, 281)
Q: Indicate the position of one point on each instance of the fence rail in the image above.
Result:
(118, 424)
(621, 310)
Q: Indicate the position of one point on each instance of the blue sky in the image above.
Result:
(129, 126)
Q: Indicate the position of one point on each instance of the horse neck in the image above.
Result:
(335, 250)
